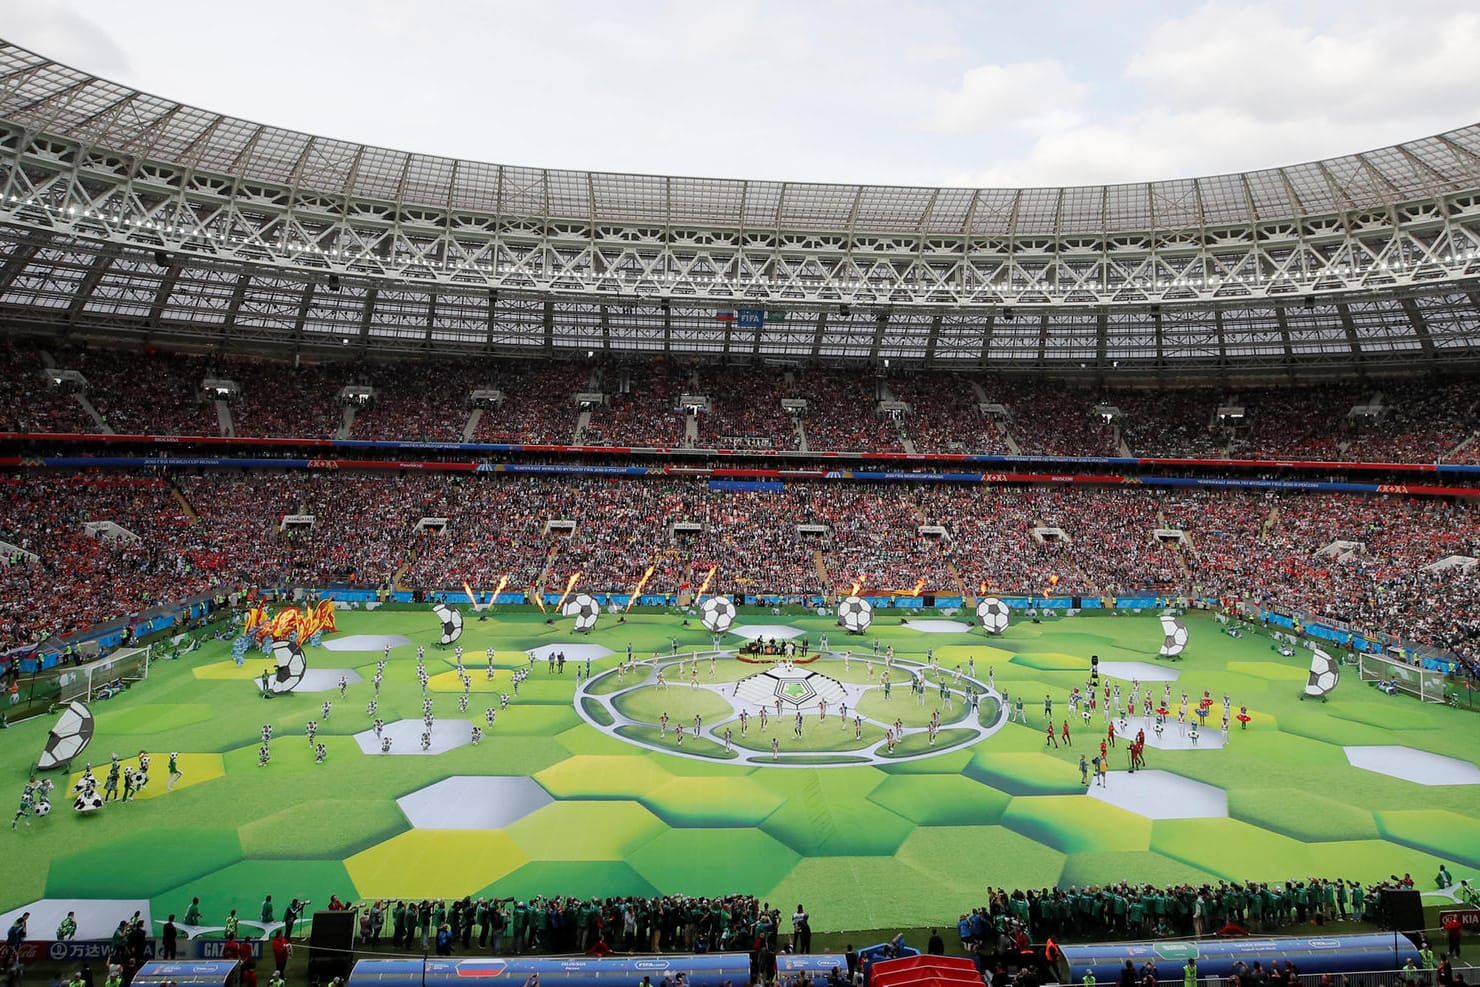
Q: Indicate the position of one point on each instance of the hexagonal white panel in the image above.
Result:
(766, 631)
(1161, 795)
(1143, 670)
(406, 737)
(473, 802)
(937, 626)
(326, 679)
(365, 642)
(573, 651)
(96, 918)
(1412, 764)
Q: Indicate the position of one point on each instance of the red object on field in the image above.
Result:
(925, 971)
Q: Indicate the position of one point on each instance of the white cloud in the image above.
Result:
(60, 31)
(829, 90)
(1038, 95)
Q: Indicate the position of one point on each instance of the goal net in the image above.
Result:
(1425, 683)
(105, 676)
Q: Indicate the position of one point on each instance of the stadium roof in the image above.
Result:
(121, 205)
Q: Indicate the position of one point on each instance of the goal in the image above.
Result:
(124, 666)
(1425, 683)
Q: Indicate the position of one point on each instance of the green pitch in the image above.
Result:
(604, 803)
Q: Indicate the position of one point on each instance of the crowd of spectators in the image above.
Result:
(1353, 558)
(1115, 912)
(147, 392)
(745, 408)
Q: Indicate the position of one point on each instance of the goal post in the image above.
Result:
(1426, 684)
(84, 681)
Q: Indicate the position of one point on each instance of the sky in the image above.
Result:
(910, 92)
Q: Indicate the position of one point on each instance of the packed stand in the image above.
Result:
(31, 403)
(417, 402)
(538, 406)
(843, 416)
(745, 409)
(641, 407)
(945, 417)
(1173, 424)
(1052, 419)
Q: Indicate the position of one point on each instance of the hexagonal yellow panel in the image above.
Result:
(585, 831)
(229, 671)
(434, 863)
(194, 769)
(597, 777)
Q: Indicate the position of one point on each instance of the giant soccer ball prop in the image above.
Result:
(1176, 637)
(993, 614)
(452, 622)
(585, 610)
(291, 666)
(1324, 674)
(855, 614)
(717, 614)
(70, 737)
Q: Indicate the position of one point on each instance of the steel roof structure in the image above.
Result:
(122, 212)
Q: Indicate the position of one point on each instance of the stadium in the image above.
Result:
(1083, 562)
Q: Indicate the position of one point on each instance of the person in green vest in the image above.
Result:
(1426, 955)
(1189, 973)
(1088, 979)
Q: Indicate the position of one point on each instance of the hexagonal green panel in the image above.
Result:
(1051, 661)
(1031, 773)
(537, 720)
(595, 777)
(1077, 823)
(1301, 814)
(141, 865)
(575, 878)
(1271, 671)
(151, 718)
(1372, 858)
(241, 886)
(878, 892)
(1231, 849)
(940, 800)
(823, 816)
(586, 740)
(330, 828)
(434, 863)
(952, 763)
(1443, 833)
(1111, 867)
(575, 830)
(963, 857)
(734, 801)
(1374, 707)
(1330, 730)
(699, 861)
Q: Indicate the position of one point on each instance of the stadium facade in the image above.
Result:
(126, 215)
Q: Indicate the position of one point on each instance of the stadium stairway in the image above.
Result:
(802, 437)
(91, 412)
(925, 971)
(821, 566)
(347, 424)
(471, 428)
(1468, 441)
(960, 585)
(224, 422)
(184, 502)
(1007, 437)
